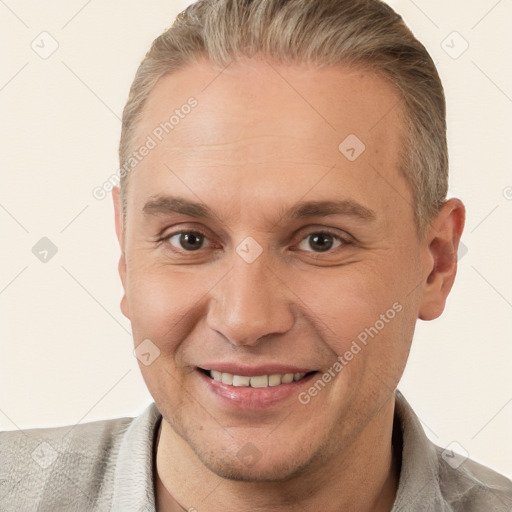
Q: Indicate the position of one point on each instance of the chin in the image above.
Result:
(277, 461)
(262, 471)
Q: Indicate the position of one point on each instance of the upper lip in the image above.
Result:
(254, 371)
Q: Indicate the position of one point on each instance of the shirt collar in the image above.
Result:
(133, 480)
(418, 481)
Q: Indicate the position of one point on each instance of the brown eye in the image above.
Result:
(187, 240)
(320, 242)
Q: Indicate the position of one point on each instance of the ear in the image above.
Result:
(120, 232)
(441, 243)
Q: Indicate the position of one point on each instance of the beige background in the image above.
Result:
(66, 349)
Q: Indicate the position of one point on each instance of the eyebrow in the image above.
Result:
(166, 205)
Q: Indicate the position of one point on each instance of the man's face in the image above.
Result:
(262, 286)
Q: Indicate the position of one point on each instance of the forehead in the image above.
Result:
(271, 131)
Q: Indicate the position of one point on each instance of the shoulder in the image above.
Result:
(61, 466)
(437, 479)
(470, 486)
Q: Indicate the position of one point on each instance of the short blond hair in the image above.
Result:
(321, 32)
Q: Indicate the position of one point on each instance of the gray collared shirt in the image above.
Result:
(108, 466)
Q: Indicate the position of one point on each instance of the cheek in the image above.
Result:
(363, 313)
(344, 299)
(164, 309)
(153, 305)
(165, 302)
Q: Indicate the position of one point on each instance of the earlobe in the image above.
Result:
(441, 246)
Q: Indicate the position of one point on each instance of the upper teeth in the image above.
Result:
(261, 381)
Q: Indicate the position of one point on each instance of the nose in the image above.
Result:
(251, 302)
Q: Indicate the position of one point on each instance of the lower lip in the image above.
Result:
(248, 398)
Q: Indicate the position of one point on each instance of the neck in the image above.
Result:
(364, 478)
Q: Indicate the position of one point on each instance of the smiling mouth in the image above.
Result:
(259, 381)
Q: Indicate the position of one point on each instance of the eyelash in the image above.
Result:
(344, 241)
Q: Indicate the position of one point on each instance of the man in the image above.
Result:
(283, 223)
